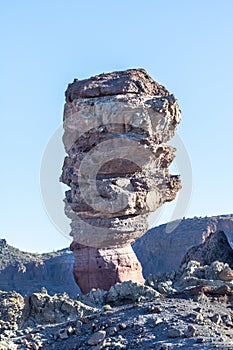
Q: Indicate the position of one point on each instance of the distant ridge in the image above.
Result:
(159, 251)
(27, 272)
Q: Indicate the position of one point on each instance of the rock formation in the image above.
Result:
(158, 252)
(42, 308)
(215, 247)
(197, 314)
(115, 127)
(205, 238)
(27, 272)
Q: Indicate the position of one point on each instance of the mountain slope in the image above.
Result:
(161, 251)
(27, 272)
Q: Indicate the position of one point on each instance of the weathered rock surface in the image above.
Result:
(115, 127)
(187, 309)
(26, 272)
(11, 308)
(160, 250)
(181, 321)
(215, 247)
(90, 273)
(120, 293)
(131, 81)
(195, 279)
(42, 308)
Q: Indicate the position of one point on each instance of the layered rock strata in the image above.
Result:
(115, 127)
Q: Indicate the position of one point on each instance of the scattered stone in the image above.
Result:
(165, 347)
(35, 346)
(227, 320)
(138, 329)
(132, 325)
(223, 290)
(165, 287)
(190, 332)
(213, 271)
(122, 325)
(107, 307)
(78, 328)
(63, 334)
(193, 268)
(216, 319)
(154, 309)
(197, 309)
(95, 297)
(200, 340)
(124, 292)
(40, 309)
(199, 290)
(130, 291)
(199, 318)
(85, 320)
(113, 331)
(158, 320)
(70, 330)
(174, 333)
(226, 274)
(7, 345)
(11, 308)
(97, 338)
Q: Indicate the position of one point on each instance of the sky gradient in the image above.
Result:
(184, 45)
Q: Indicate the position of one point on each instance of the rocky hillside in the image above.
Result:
(158, 252)
(191, 309)
(162, 248)
(27, 272)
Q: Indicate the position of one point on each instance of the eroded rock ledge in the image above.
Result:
(134, 81)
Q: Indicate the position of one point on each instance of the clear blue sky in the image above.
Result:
(185, 45)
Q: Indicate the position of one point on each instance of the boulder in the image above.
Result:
(121, 293)
(216, 247)
(42, 308)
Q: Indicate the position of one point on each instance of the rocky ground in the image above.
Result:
(188, 309)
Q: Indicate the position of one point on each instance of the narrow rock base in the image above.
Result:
(102, 268)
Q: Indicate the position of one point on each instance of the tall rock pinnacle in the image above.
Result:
(115, 129)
